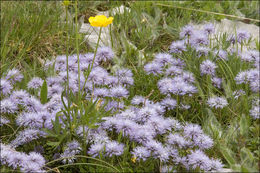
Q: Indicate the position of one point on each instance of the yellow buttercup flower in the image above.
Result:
(66, 3)
(100, 21)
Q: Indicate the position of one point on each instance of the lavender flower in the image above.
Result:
(114, 148)
(163, 58)
(29, 119)
(98, 76)
(177, 139)
(187, 31)
(8, 106)
(137, 100)
(188, 77)
(118, 92)
(96, 148)
(114, 105)
(242, 36)
(203, 141)
(101, 92)
(14, 75)
(255, 112)
(35, 159)
(53, 81)
(165, 85)
(221, 54)
(173, 70)
(241, 77)
(3, 121)
(209, 28)
(19, 96)
(72, 148)
(216, 165)
(32, 104)
(216, 81)
(217, 102)
(16, 159)
(141, 152)
(238, 93)
(202, 51)
(124, 72)
(207, 67)
(192, 130)
(255, 86)
(25, 136)
(199, 38)
(169, 103)
(104, 54)
(245, 56)
(198, 159)
(159, 124)
(177, 47)
(153, 68)
(54, 90)
(48, 63)
(35, 83)
(5, 87)
(232, 39)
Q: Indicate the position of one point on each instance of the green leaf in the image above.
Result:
(243, 125)
(228, 155)
(44, 92)
(54, 144)
(247, 154)
(236, 167)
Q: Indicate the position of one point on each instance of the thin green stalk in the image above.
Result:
(89, 70)
(177, 107)
(77, 50)
(110, 32)
(67, 49)
(93, 164)
(80, 156)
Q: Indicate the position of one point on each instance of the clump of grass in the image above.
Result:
(32, 32)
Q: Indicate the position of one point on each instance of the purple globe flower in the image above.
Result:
(141, 152)
(217, 102)
(104, 54)
(14, 75)
(118, 92)
(8, 106)
(187, 31)
(207, 67)
(5, 87)
(35, 83)
(153, 68)
(209, 28)
(177, 47)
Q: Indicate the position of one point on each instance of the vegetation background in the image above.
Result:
(35, 31)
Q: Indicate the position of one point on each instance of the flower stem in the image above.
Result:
(77, 50)
(67, 50)
(91, 67)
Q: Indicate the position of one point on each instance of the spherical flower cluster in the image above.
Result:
(32, 162)
(251, 76)
(207, 67)
(217, 102)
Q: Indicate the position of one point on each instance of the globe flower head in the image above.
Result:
(100, 21)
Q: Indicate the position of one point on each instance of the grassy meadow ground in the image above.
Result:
(33, 33)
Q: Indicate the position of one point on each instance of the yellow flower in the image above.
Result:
(133, 159)
(100, 21)
(66, 3)
(99, 104)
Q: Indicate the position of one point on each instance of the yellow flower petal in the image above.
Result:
(100, 21)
